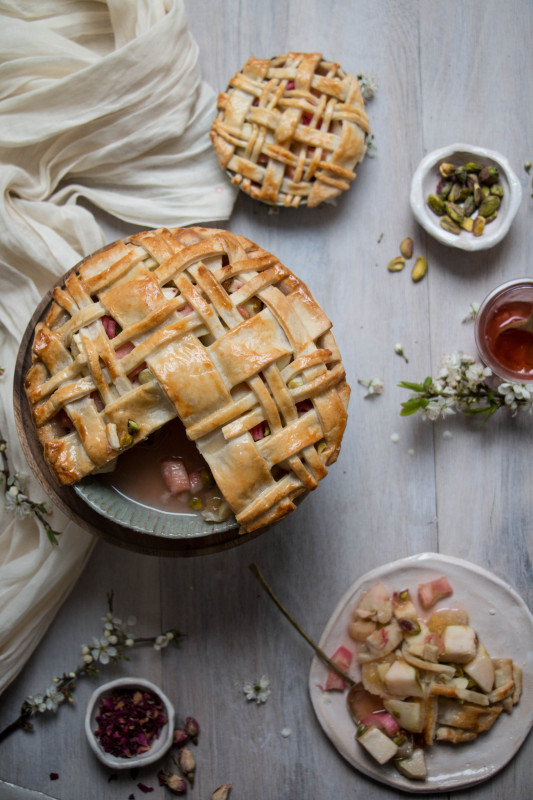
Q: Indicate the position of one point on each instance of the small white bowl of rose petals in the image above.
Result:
(129, 723)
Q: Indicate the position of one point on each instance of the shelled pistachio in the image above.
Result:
(467, 197)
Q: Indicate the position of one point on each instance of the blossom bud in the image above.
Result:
(174, 782)
(187, 764)
(222, 793)
(180, 737)
(192, 729)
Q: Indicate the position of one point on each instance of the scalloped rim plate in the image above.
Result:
(505, 626)
(135, 516)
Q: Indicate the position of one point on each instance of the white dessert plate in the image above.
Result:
(505, 626)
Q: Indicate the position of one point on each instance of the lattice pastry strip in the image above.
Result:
(291, 130)
(200, 324)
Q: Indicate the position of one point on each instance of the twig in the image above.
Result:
(254, 569)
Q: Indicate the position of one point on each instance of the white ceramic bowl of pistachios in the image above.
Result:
(465, 196)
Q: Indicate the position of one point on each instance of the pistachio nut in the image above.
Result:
(497, 189)
(419, 269)
(460, 174)
(396, 265)
(467, 224)
(455, 212)
(436, 204)
(479, 226)
(126, 440)
(444, 189)
(406, 247)
(447, 170)
(455, 193)
(473, 166)
(491, 218)
(490, 204)
(133, 427)
(449, 225)
(489, 175)
(469, 206)
(485, 191)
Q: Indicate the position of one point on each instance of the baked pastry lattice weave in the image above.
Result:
(204, 325)
(291, 130)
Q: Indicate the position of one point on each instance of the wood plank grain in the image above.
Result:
(446, 72)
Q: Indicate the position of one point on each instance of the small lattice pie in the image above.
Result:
(291, 130)
(223, 336)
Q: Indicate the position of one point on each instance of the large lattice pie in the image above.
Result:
(200, 324)
(291, 129)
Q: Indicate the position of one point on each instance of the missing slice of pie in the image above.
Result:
(200, 324)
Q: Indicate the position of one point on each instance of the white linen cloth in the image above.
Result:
(103, 101)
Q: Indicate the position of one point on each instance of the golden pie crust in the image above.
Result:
(291, 130)
(222, 335)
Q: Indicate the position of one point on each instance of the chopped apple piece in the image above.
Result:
(481, 669)
(402, 680)
(431, 592)
(376, 604)
(404, 609)
(381, 642)
(460, 644)
(378, 744)
(361, 628)
(413, 767)
(443, 617)
(409, 713)
(427, 652)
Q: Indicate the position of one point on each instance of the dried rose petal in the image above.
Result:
(144, 788)
(129, 721)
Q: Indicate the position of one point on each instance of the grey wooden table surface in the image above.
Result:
(447, 72)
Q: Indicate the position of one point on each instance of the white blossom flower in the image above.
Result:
(53, 698)
(472, 314)
(368, 84)
(162, 640)
(258, 691)
(438, 407)
(512, 392)
(476, 374)
(111, 622)
(398, 349)
(373, 386)
(102, 651)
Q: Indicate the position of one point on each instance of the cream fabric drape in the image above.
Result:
(102, 101)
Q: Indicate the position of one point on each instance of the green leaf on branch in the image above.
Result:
(413, 405)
